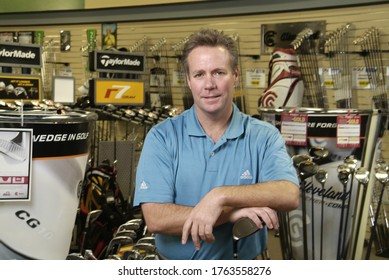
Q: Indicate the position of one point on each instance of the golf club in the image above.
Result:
(321, 176)
(351, 162)
(317, 153)
(131, 255)
(117, 243)
(344, 173)
(297, 159)
(362, 176)
(383, 177)
(129, 233)
(147, 239)
(242, 228)
(306, 170)
(90, 219)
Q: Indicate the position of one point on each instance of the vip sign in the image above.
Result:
(119, 92)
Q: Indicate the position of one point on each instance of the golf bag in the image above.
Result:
(285, 84)
(100, 191)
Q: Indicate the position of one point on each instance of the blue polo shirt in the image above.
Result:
(180, 164)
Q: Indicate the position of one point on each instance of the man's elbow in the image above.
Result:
(294, 197)
(152, 221)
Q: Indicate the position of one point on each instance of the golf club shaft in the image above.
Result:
(341, 223)
(373, 234)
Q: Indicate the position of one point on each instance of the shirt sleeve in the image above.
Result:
(278, 164)
(155, 171)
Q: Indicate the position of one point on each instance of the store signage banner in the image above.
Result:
(118, 92)
(120, 62)
(13, 87)
(280, 35)
(15, 162)
(20, 55)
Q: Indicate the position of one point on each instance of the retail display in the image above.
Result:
(72, 165)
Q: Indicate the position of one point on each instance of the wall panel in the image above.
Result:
(247, 28)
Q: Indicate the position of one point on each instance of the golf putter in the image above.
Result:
(242, 228)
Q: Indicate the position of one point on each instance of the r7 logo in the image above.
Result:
(119, 89)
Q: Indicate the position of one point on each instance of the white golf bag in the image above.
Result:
(285, 84)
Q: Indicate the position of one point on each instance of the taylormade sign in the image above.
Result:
(117, 61)
(17, 54)
(13, 54)
(107, 61)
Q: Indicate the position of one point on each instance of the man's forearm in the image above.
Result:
(278, 195)
(166, 218)
(169, 218)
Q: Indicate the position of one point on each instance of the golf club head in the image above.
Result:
(344, 173)
(244, 227)
(118, 242)
(318, 152)
(307, 169)
(147, 239)
(88, 255)
(351, 162)
(135, 220)
(129, 233)
(297, 159)
(92, 217)
(381, 163)
(74, 256)
(382, 175)
(321, 176)
(150, 257)
(132, 255)
(129, 226)
(362, 175)
(144, 248)
(113, 257)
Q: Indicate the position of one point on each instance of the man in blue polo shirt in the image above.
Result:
(206, 168)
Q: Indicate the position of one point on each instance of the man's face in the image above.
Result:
(211, 79)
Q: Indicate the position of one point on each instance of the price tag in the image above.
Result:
(294, 128)
(348, 131)
(255, 78)
(361, 77)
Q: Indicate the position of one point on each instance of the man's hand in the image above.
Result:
(258, 215)
(201, 220)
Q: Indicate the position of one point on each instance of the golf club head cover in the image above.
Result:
(285, 83)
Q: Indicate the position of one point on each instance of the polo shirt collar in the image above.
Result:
(234, 130)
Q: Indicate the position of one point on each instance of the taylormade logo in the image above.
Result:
(17, 54)
(107, 61)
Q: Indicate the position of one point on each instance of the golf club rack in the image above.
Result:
(337, 153)
(107, 225)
